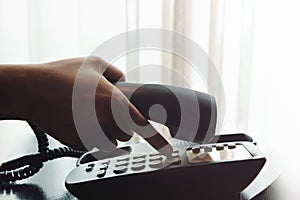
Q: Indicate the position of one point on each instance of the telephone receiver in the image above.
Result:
(190, 115)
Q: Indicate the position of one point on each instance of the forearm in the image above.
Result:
(14, 101)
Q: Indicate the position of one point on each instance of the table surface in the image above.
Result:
(16, 139)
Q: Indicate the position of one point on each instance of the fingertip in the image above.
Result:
(166, 150)
(159, 143)
(122, 78)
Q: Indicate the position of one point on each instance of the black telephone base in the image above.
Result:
(209, 171)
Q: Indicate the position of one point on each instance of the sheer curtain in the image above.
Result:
(253, 44)
(39, 31)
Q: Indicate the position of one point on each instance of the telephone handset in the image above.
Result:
(201, 161)
(190, 115)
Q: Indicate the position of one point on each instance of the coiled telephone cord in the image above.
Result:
(28, 165)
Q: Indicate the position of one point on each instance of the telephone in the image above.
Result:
(201, 162)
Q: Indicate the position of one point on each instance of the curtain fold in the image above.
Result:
(132, 23)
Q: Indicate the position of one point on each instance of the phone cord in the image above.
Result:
(28, 165)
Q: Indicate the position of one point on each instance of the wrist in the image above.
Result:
(15, 87)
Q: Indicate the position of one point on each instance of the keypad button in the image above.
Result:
(117, 165)
(189, 148)
(157, 157)
(106, 162)
(120, 169)
(138, 166)
(207, 149)
(101, 173)
(102, 166)
(89, 169)
(220, 147)
(137, 156)
(122, 162)
(231, 146)
(126, 158)
(91, 165)
(139, 160)
(196, 150)
(156, 164)
(154, 154)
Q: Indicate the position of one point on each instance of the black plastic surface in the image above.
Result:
(174, 99)
(212, 179)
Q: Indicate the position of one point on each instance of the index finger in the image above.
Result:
(148, 132)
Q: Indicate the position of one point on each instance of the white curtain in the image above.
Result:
(39, 31)
(253, 44)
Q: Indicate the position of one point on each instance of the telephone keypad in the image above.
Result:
(195, 154)
(184, 161)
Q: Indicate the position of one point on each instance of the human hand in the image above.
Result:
(49, 103)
